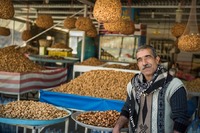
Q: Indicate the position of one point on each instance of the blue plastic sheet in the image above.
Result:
(77, 102)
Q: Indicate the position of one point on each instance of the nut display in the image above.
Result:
(131, 66)
(84, 23)
(4, 31)
(178, 29)
(189, 43)
(31, 110)
(91, 62)
(107, 11)
(69, 23)
(44, 21)
(107, 84)
(193, 85)
(99, 118)
(6, 9)
(113, 27)
(26, 34)
(11, 60)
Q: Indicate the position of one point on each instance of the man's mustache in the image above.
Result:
(146, 66)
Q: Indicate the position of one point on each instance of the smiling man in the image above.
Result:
(156, 101)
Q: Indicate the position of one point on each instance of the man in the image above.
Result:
(156, 101)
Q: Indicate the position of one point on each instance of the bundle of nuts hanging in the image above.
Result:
(189, 43)
(84, 23)
(106, 11)
(33, 110)
(69, 22)
(178, 29)
(26, 34)
(6, 9)
(44, 21)
(4, 31)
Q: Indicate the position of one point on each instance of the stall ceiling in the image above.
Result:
(163, 10)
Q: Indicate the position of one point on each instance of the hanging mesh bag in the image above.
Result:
(190, 39)
(6, 9)
(69, 23)
(4, 31)
(107, 11)
(44, 21)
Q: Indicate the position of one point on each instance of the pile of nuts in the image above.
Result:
(131, 66)
(99, 118)
(189, 43)
(107, 11)
(11, 60)
(31, 110)
(193, 85)
(91, 62)
(107, 84)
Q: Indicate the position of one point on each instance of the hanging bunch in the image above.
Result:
(6, 9)
(4, 31)
(84, 23)
(26, 34)
(127, 27)
(115, 26)
(107, 11)
(178, 29)
(92, 32)
(190, 39)
(69, 22)
(44, 21)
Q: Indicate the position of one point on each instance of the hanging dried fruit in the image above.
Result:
(69, 23)
(178, 29)
(26, 34)
(84, 23)
(107, 11)
(6, 9)
(4, 31)
(44, 21)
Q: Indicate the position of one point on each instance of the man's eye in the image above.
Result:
(139, 60)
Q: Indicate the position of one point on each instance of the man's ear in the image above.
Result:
(158, 59)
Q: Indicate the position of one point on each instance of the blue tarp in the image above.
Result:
(77, 102)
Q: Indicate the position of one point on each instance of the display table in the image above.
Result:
(77, 102)
(19, 83)
(84, 68)
(37, 125)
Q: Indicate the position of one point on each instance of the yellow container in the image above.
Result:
(61, 53)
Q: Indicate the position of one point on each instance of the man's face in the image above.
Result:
(147, 63)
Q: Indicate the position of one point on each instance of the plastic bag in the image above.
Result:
(194, 127)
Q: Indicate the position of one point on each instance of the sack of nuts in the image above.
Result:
(107, 11)
(4, 31)
(44, 21)
(69, 23)
(6, 9)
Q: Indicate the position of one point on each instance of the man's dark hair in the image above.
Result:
(147, 47)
